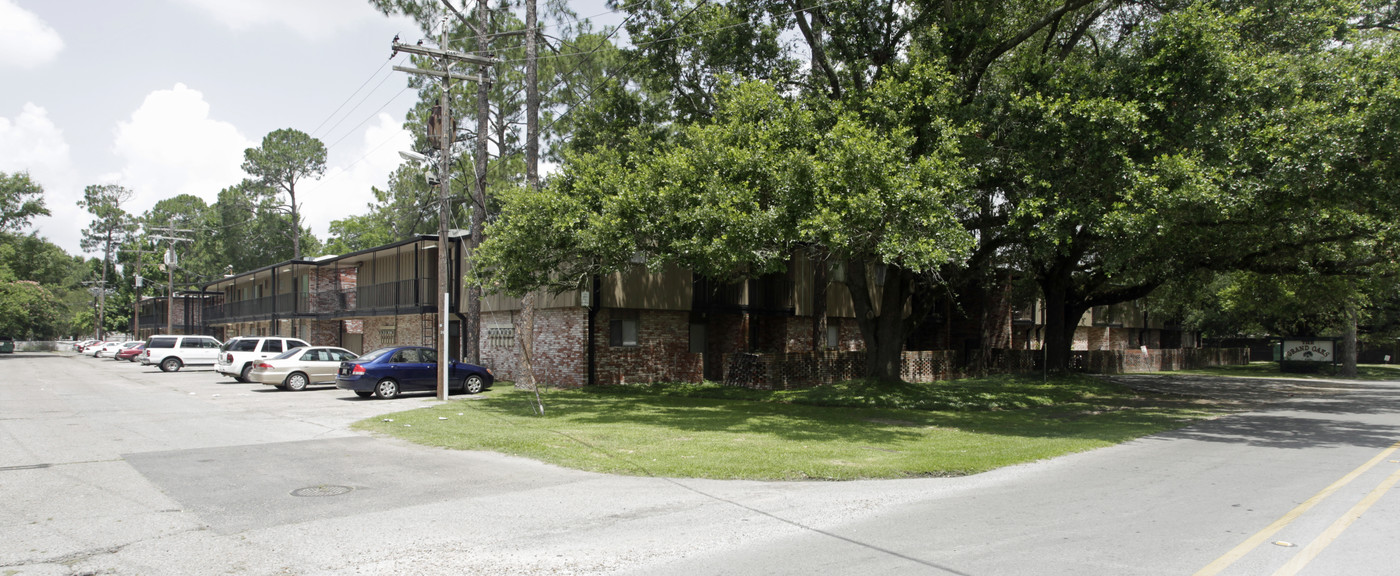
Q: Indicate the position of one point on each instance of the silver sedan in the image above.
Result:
(299, 367)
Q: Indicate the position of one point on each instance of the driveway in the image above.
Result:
(114, 468)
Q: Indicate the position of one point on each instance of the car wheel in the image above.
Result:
(243, 374)
(473, 384)
(386, 388)
(364, 393)
(295, 381)
(171, 364)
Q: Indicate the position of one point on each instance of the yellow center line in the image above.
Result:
(1254, 541)
(1330, 535)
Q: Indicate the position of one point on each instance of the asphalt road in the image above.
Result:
(112, 468)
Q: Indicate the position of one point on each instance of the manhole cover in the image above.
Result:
(323, 490)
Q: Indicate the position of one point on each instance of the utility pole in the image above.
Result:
(472, 331)
(98, 288)
(136, 306)
(170, 260)
(444, 297)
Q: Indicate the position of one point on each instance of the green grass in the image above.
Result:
(850, 431)
(1271, 370)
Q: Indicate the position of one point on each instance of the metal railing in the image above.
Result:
(416, 294)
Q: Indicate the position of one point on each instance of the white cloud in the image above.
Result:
(312, 19)
(345, 188)
(25, 40)
(172, 146)
(32, 143)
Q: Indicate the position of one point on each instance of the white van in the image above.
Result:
(174, 351)
(238, 355)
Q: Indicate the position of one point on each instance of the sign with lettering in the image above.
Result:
(1307, 351)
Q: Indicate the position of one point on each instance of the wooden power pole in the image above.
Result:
(444, 296)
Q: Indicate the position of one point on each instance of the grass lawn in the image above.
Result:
(850, 431)
(1271, 370)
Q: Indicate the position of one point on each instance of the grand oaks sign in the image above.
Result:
(1319, 351)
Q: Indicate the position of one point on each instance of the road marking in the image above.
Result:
(1330, 535)
(1254, 541)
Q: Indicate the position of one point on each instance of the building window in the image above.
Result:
(500, 336)
(623, 328)
(833, 335)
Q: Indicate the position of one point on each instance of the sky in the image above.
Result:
(163, 97)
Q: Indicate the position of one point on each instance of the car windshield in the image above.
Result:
(375, 354)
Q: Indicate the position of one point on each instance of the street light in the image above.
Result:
(417, 158)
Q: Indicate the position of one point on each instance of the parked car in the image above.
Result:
(237, 356)
(133, 353)
(82, 345)
(172, 352)
(299, 367)
(388, 371)
(110, 349)
(97, 347)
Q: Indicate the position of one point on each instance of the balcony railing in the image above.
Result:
(258, 308)
(404, 295)
(391, 295)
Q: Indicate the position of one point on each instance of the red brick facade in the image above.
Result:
(662, 353)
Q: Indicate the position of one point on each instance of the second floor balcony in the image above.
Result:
(404, 296)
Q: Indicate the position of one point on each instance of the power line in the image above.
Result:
(352, 95)
(371, 116)
(361, 102)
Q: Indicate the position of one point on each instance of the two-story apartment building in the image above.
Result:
(361, 301)
(635, 326)
(182, 314)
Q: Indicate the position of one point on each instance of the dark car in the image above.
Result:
(386, 372)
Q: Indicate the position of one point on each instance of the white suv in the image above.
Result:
(174, 351)
(238, 355)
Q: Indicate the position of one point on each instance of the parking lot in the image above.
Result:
(115, 468)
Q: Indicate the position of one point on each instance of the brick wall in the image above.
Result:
(561, 356)
(799, 334)
(848, 336)
(402, 330)
(1087, 338)
(325, 333)
(328, 283)
(561, 342)
(662, 354)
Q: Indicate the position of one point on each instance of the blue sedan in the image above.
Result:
(388, 371)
